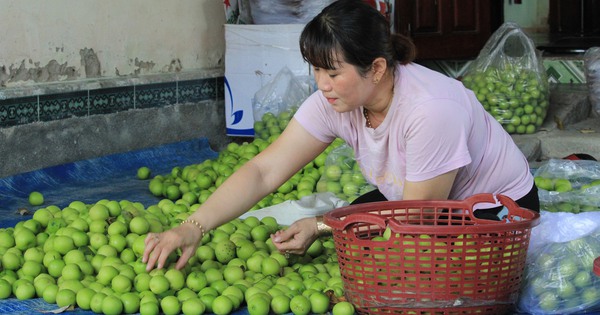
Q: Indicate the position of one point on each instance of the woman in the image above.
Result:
(416, 134)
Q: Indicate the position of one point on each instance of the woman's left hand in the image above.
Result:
(297, 238)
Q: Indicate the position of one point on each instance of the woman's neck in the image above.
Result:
(376, 112)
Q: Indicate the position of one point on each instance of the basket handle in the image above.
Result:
(511, 205)
(480, 198)
(363, 218)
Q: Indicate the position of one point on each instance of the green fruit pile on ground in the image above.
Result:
(88, 256)
(195, 183)
(517, 97)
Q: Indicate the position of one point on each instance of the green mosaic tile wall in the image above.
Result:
(54, 106)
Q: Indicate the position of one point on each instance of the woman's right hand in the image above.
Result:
(297, 238)
(160, 245)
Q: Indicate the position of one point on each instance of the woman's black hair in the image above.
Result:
(358, 32)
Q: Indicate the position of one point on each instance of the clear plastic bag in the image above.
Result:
(275, 103)
(286, 11)
(592, 73)
(509, 79)
(559, 277)
(342, 175)
(569, 185)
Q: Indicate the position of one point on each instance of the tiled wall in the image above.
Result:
(61, 101)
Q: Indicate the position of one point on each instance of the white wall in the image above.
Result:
(61, 40)
(530, 15)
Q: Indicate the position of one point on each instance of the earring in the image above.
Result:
(375, 81)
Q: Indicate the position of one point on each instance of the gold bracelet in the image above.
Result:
(322, 228)
(194, 222)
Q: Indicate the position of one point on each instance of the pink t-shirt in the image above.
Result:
(434, 125)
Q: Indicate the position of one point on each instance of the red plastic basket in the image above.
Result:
(431, 257)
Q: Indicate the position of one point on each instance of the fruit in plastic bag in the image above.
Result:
(510, 81)
(559, 278)
(515, 97)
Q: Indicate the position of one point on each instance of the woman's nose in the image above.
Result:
(322, 82)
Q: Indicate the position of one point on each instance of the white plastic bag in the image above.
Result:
(559, 277)
(283, 92)
(592, 73)
(290, 211)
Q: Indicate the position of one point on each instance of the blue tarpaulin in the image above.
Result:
(112, 177)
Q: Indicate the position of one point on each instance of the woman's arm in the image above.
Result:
(263, 174)
(437, 188)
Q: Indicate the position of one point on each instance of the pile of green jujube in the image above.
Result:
(517, 97)
(195, 183)
(89, 257)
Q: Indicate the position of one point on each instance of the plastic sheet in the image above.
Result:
(110, 177)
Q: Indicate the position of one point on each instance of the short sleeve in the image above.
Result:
(314, 116)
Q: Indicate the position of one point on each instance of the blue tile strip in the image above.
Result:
(64, 105)
(111, 100)
(48, 107)
(18, 111)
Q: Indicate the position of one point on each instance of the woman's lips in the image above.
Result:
(331, 100)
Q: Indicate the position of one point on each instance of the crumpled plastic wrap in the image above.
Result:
(283, 92)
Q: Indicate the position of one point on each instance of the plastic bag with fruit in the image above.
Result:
(275, 103)
(509, 79)
(342, 175)
(592, 72)
(569, 185)
(560, 276)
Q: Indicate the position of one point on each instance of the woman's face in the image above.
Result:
(344, 88)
